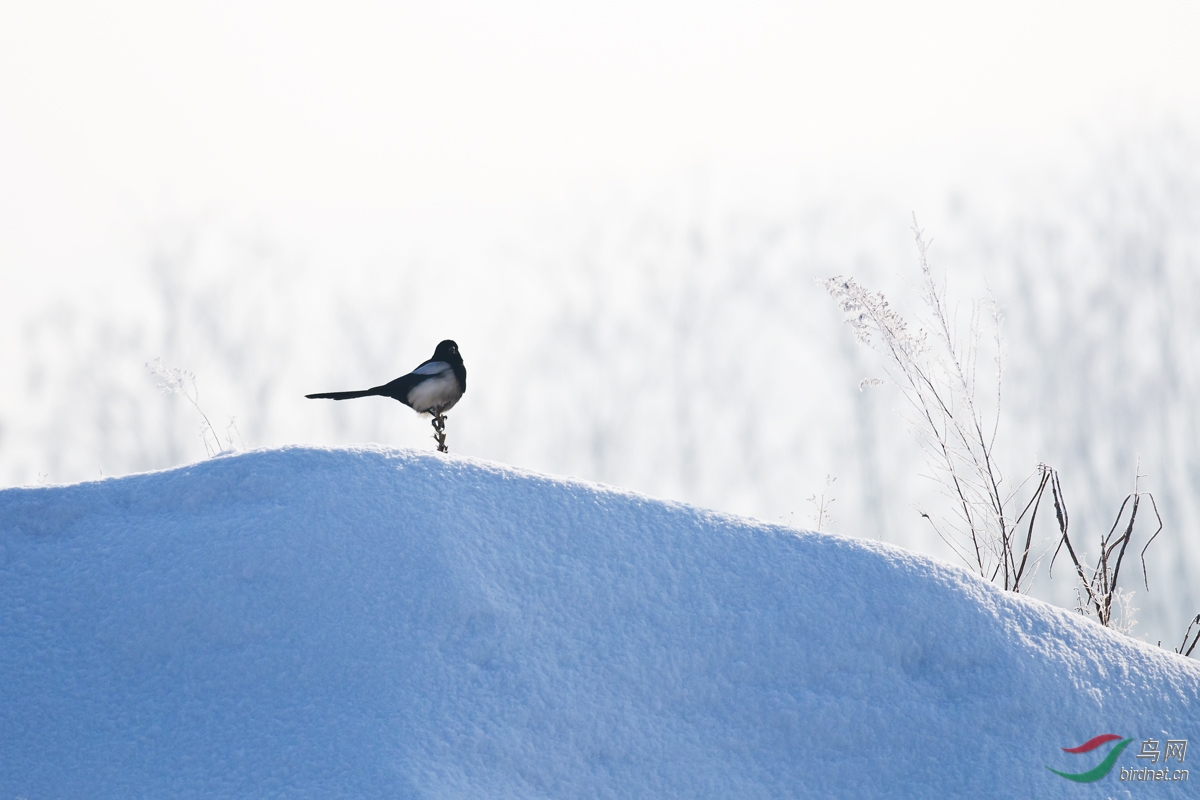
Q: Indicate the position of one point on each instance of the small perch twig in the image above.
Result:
(439, 432)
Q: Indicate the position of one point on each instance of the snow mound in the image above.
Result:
(377, 623)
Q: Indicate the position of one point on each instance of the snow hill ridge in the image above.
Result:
(322, 623)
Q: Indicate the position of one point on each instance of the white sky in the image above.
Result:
(347, 127)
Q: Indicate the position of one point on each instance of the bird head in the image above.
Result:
(447, 351)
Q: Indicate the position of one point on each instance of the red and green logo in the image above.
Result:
(1104, 767)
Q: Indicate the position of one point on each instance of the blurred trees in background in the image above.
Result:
(679, 348)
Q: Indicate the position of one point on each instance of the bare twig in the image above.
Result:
(1158, 530)
(821, 504)
(1184, 644)
(1101, 588)
(1031, 508)
(173, 380)
(230, 430)
(439, 432)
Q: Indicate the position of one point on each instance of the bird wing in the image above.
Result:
(432, 368)
(399, 389)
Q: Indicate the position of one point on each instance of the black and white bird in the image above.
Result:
(432, 388)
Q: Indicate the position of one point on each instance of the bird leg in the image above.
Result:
(439, 432)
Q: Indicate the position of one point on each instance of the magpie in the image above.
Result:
(432, 388)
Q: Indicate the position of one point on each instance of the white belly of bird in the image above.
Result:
(436, 394)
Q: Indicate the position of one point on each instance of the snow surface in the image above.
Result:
(378, 623)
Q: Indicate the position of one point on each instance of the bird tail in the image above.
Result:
(341, 395)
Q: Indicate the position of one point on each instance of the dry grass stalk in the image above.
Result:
(936, 371)
(1100, 589)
